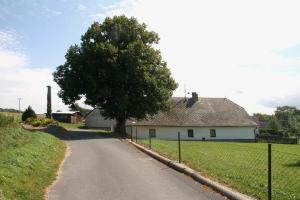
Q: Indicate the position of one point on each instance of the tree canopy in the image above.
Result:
(285, 121)
(117, 69)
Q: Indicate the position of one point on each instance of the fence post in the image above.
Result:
(135, 134)
(269, 171)
(131, 133)
(179, 148)
(149, 140)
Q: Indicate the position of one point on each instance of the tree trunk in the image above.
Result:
(121, 129)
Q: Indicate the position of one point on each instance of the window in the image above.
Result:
(152, 132)
(190, 133)
(212, 132)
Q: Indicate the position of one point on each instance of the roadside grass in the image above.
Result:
(242, 166)
(16, 116)
(28, 162)
(72, 126)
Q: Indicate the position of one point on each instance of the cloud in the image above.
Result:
(19, 80)
(219, 47)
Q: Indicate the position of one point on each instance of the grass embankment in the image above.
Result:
(28, 161)
(242, 166)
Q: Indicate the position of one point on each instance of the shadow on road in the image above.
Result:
(65, 134)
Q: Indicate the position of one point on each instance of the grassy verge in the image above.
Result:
(72, 126)
(28, 162)
(242, 166)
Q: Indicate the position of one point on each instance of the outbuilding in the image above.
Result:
(94, 119)
(67, 116)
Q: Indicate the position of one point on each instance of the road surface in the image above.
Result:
(100, 168)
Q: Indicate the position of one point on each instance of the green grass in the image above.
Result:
(28, 162)
(242, 166)
(71, 126)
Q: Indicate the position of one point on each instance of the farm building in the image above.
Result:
(94, 119)
(67, 116)
(197, 119)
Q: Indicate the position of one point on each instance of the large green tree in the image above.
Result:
(117, 68)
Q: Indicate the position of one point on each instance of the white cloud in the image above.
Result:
(219, 47)
(17, 79)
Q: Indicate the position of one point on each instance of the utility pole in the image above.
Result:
(19, 99)
(49, 109)
(184, 92)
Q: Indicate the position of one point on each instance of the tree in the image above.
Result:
(284, 113)
(76, 107)
(117, 69)
(29, 112)
(274, 123)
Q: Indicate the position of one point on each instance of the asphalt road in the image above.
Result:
(108, 169)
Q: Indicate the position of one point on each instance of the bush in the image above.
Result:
(41, 122)
(6, 120)
(29, 112)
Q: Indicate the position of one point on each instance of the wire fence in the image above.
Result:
(264, 171)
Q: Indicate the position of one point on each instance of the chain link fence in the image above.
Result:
(263, 171)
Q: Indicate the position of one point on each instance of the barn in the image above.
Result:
(67, 116)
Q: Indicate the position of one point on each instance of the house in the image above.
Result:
(67, 116)
(197, 119)
(94, 119)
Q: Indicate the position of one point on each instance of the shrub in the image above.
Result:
(29, 112)
(41, 122)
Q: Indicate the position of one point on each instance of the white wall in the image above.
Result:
(222, 133)
(95, 120)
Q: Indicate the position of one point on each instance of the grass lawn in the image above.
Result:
(242, 166)
(71, 126)
(28, 162)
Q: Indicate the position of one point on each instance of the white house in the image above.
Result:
(197, 119)
(94, 119)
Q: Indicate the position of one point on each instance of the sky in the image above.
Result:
(244, 50)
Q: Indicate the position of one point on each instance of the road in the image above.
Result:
(100, 168)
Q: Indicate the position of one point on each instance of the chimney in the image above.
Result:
(194, 96)
(49, 112)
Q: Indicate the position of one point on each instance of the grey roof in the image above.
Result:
(204, 112)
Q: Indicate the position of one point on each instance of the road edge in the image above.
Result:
(58, 173)
(224, 190)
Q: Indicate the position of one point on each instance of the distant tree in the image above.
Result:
(117, 69)
(274, 124)
(262, 117)
(11, 110)
(294, 125)
(285, 113)
(29, 112)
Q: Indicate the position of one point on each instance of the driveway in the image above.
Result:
(109, 169)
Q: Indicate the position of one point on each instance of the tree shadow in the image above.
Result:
(65, 134)
(296, 164)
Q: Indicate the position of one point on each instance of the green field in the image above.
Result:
(242, 166)
(28, 161)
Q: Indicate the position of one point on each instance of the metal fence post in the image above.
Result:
(135, 134)
(149, 140)
(269, 171)
(179, 148)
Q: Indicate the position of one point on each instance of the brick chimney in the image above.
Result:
(194, 96)
(49, 109)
